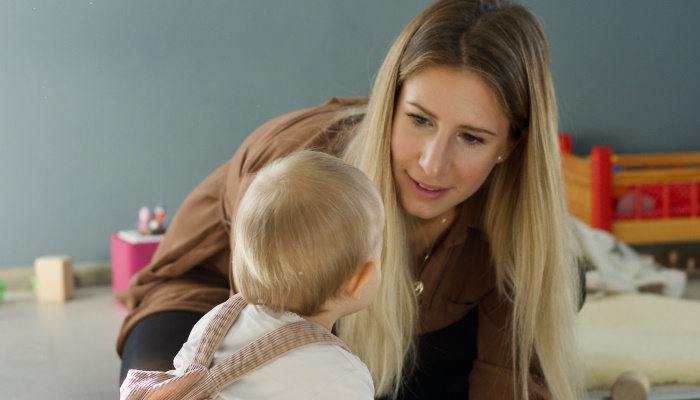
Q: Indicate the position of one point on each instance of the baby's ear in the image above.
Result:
(362, 276)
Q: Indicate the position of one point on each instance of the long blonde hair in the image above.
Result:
(526, 218)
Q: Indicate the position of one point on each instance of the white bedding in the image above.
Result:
(658, 336)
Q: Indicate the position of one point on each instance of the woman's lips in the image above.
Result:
(425, 191)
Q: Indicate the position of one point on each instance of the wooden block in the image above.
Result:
(54, 278)
(631, 385)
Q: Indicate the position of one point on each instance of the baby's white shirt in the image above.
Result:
(321, 371)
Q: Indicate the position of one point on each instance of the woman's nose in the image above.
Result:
(435, 156)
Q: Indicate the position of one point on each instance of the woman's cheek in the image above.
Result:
(476, 173)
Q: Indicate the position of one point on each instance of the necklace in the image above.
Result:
(418, 285)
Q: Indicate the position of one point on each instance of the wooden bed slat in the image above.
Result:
(651, 177)
(649, 231)
(658, 159)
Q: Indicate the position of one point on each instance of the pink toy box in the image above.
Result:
(131, 251)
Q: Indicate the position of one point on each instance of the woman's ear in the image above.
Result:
(362, 276)
(503, 156)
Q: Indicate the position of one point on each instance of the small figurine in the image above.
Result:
(160, 216)
(152, 223)
(144, 220)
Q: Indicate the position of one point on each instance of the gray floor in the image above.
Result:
(59, 351)
(66, 351)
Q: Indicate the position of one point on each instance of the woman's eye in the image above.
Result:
(418, 120)
(471, 139)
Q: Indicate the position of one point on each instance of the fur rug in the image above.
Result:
(655, 335)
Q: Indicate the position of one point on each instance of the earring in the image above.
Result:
(499, 158)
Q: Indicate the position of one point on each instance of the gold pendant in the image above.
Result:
(418, 287)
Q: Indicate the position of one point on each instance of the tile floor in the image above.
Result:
(66, 351)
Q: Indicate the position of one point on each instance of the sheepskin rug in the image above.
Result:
(655, 335)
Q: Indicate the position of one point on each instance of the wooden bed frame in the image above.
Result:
(668, 182)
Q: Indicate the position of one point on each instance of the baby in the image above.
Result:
(307, 242)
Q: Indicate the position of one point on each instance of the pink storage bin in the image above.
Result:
(130, 252)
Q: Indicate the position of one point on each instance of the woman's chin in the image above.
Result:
(423, 213)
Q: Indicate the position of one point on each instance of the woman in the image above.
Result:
(480, 286)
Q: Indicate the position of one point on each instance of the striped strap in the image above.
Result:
(215, 332)
(268, 348)
(255, 355)
(201, 382)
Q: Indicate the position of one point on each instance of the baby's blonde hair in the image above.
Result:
(303, 227)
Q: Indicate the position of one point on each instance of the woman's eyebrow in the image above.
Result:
(465, 127)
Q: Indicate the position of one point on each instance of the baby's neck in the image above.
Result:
(333, 310)
(325, 319)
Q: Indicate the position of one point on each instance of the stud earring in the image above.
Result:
(499, 158)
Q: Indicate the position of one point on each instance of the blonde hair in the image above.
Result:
(526, 218)
(303, 227)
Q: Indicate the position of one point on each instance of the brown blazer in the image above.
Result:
(190, 269)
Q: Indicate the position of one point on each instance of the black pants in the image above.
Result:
(155, 340)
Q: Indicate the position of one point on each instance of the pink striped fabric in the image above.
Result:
(202, 382)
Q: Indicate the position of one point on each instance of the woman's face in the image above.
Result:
(447, 134)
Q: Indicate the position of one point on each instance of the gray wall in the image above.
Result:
(106, 106)
(627, 73)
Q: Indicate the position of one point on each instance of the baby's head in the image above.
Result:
(304, 226)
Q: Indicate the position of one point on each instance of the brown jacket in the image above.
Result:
(190, 269)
